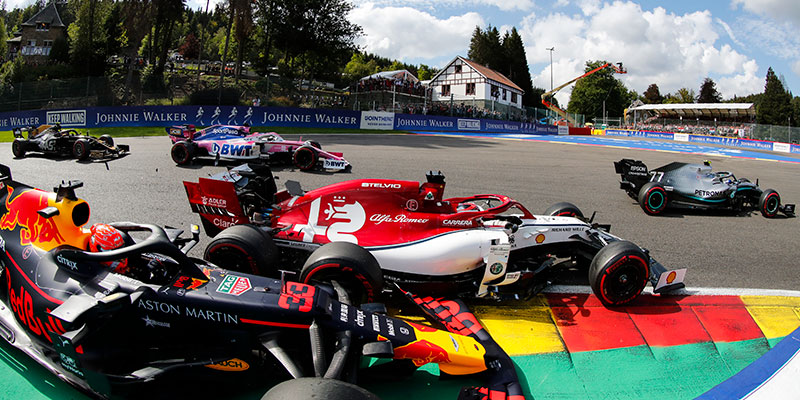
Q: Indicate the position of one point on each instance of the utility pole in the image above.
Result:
(551, 66)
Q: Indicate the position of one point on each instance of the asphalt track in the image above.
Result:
(719, 250)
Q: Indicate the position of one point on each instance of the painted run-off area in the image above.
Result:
(568, 346)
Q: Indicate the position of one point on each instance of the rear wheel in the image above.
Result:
(653, 198)
(243, 248)
(769, 203)
(18, 148)
(564, 209)
(182, 152)
(305, 158)
(317, 388)
(80, 149)
(107, 140)
(353, 267)
(619, 272)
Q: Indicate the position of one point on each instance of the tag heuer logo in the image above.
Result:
(234, 285)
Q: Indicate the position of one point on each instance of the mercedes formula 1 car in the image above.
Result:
(238, 143)
(105, 332)
(695, 186)
(52, 140)
(481, 246)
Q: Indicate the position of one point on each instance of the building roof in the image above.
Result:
(693, 110)
(484, 71)
(400, 73)
(48, 15)
(17, 39)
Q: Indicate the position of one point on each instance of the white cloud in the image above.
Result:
(784, 10)
(729, 31)
(656, 46)
(12, 4)
(796, 67)
(503, 5)
(407, 33)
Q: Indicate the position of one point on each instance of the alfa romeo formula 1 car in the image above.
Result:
(695, 186)
(238, 143)
(481, 246)
(52, 140)
(105, 332)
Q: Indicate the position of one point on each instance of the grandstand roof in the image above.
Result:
(692, 110)
(397, 74)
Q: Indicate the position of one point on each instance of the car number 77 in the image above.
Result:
(656, 176)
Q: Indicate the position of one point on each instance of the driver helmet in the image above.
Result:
(105, 237)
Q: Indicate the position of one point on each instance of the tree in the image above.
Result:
(425, 72)
(190, 48)
(518, 67)
(683, 95)
(652, 95)
(775, 107)
(88, 34)
(591, 92)
(708, 92)
(487, 49)
(243, 28)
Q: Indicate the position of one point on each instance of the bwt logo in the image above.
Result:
(67, 118)
(233, 150)
(469, 124)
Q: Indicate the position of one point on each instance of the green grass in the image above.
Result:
(8, 136)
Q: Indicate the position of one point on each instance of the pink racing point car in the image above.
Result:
(238, 143)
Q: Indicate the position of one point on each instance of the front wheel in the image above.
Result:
(106, 140)
(353, 267)
(653, 198)
(769, 203)
(243, 248)
(564, 209)
(619, 272)
(305, 158)
(317, 388)
(80, 149)
(18, 148)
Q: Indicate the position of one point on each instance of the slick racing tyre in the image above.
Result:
(107, 140)
(353, 267)
(80, 149)
(305, 158)
(564, 209)
(317, 388)
(182, 152)
(18, 148)
(243, 248)
(653, 198)
(619, 273)
(769, 203)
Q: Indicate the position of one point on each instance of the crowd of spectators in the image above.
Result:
(737, 130)
(459, 110)
(388, 85)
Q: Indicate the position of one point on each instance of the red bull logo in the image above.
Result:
(34, 229)
(422, 352)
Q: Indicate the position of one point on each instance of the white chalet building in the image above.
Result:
(466, 81)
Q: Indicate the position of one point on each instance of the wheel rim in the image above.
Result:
(179, 154)
(232, 258)
(624, 281)
(354, 287)
(771, 205)
(304, 158)
(656, 200)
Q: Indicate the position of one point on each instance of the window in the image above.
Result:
(495, 91)
(458, 69)
(505, 93)
(471, 89)
(445, 90)
(31, 42)
(48, 43)
(514, 98)
(42, 26)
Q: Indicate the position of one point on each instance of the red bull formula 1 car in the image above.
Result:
(238, 143)
(104, 332)
(481, 246)
(695, 186)
(52, 140)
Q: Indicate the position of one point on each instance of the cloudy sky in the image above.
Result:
(673, 44)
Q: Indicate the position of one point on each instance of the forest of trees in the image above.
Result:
(310, 40)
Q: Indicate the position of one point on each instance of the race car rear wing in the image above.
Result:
(634, 174)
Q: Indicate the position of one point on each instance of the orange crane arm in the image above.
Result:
(617, 68)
